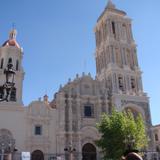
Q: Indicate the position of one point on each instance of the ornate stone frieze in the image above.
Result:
(142, 104)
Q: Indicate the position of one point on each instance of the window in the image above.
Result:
(17, 65)
(2, 61)
(1, 92)
(120, 81)
(132, 83)
(13, 95)
(113, 28)
(156, 137)
(10, 60)
(133, 111)
(88, 111)
(38, 130)
(157, 149)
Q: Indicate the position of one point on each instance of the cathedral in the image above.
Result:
(67, 124)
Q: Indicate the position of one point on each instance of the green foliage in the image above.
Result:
(120, 131)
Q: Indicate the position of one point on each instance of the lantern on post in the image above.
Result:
(9, 83)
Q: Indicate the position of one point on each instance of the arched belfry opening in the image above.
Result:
(89, 152)
(133, 111)
(37, 155)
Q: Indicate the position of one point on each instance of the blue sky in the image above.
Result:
(58, 41)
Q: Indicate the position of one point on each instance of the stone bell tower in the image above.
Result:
(11, 52)
(116, 57)
(116, 62)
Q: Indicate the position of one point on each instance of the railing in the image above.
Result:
(54, 156)
(147, 155)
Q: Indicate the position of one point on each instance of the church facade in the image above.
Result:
(67, 124)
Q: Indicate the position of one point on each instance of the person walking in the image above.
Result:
(133, 156)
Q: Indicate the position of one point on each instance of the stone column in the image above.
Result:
(117, 83)
(70, 113)
(109, 27)
(140, 83)
(128, 83)
(130, 30)
(61, 111)
(114, 87)
(118, 31)
(79, 112)
(79, 147)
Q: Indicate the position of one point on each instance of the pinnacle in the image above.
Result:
(12, 34)
(110, 5)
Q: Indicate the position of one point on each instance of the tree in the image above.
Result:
(121, 131)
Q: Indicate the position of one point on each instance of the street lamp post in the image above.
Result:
(9, 84)
(2, 153)
(6, 146)
(70, 149)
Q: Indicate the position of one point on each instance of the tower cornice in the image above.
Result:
(111, 8)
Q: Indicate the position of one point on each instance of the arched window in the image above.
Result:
(120, 81)
(10, 60)
(2, 61)
(133, 86)
(37, 154)
(89, 152)
(17, 65)
(133, 111)
(113, 28)
(1, 92)
(13, 95)
(156, 137)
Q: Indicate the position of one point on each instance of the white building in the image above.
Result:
(46, 128)
(156, 133)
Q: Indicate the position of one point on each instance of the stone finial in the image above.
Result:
(77, 76)
(110, 5)
(21, 49)
(60, 87)
(45, 99)
(69, 80)
(13, 34)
